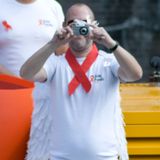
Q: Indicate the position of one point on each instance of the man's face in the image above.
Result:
(79, 43)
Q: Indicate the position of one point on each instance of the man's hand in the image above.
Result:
(101, 36)
(62, 36)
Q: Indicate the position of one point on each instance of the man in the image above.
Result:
(25, 26)
(84, 83)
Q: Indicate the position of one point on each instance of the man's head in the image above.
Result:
(82, 12)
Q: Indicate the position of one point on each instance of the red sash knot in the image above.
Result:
(80, 70)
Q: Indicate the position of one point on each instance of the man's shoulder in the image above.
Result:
(60, 59)
(53, 3)
(106, 59)
(105, 55)
(56, 9)
(5, 4)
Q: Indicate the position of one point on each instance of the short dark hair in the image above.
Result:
(81, 5)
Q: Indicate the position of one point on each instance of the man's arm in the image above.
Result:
(129, 70)
(33, 69)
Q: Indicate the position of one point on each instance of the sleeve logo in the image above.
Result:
(6, 25)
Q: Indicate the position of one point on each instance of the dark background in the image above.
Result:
(134, 23)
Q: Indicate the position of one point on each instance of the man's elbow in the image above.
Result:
(23, 73)
(139, 74)
(131, 76)
(136, 76)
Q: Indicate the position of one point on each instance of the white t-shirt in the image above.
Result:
(83, 125)
(31, 26)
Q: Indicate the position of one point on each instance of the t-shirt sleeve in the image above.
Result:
(110, 61)
(50, 67)
(114, 65)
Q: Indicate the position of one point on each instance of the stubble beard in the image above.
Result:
(80, 45)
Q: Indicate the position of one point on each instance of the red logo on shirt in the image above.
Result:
(96, 77)
(92, 78)
(6, 25)
(43, 22)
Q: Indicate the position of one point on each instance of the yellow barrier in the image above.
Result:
(141, 107)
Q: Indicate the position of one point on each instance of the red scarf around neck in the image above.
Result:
(80, 70)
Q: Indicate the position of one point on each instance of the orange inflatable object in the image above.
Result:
(15, 116)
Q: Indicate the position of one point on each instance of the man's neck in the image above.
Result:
(81, 54)
(25, 1)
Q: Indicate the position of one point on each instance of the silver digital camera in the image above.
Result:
(80, 28)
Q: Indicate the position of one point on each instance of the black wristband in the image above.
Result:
(110, 50)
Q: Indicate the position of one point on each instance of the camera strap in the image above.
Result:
(80, 70)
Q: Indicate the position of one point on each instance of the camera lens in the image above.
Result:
(83, 31)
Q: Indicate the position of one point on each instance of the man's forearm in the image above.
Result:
(33, 65)
(130, 70)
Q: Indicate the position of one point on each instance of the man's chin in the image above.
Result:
(79, 44)
(80, 37)
(79, 49)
